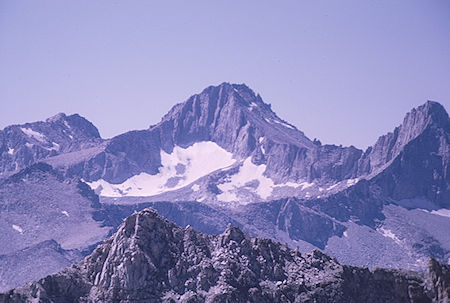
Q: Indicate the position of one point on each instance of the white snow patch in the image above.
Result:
(227, 196)
(389, 234)
(11, 151)
(253, 105)
(284, 124)
(29, 145)
(55, 146)
(440, 212)
(17, 228)
(66, 124)
(351, 182)
(305, 185)
(65, 213)
(346, 234)
(332, 186)
(195, 187)
(193, 158)
(247, 172)
(261, 139)
(34, 134)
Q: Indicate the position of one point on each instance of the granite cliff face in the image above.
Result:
(387, 206)
(150, 259)
(413, 161)
(238, 121)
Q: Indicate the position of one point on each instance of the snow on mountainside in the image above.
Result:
(224, 156)
(178, 169)
(22, 145)
(283, 162)
(238, 122)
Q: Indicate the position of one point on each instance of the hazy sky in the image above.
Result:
(342, 71)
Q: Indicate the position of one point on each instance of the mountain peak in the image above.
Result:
(239, 93)
(57, 117)
(435, 112)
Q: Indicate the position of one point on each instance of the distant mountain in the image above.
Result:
(223, 156)
(23, 145)
(150, 259)
(238, 122)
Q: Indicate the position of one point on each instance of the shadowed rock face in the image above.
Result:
(240, 122)
(413, 161)
(386, 206)
(230, 115)
(150, 259)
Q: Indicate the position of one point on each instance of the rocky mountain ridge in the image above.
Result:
(151, 259)
(387, 206)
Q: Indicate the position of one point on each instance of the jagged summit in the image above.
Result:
(231, 115)
(224, 156)
(57, 117)
(152, 260)
(427, 117)
(435, 113)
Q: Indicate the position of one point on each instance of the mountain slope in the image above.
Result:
(23, 145)
(37, 206)
(151, 259)
(236, 122)
(34, 262)
(223, 156)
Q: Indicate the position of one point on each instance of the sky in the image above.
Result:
(344, 72)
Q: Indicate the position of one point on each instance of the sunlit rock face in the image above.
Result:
(223, 156)
(150, 259)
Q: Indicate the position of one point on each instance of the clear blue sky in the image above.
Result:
(342, 71)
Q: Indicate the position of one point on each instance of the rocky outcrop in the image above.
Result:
(152, 260)
(439, 281)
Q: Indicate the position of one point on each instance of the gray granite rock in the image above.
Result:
(26, 144)
(150, 259)
(385, 206)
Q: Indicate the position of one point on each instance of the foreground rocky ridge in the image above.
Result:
(387, 206)
(150, 259)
